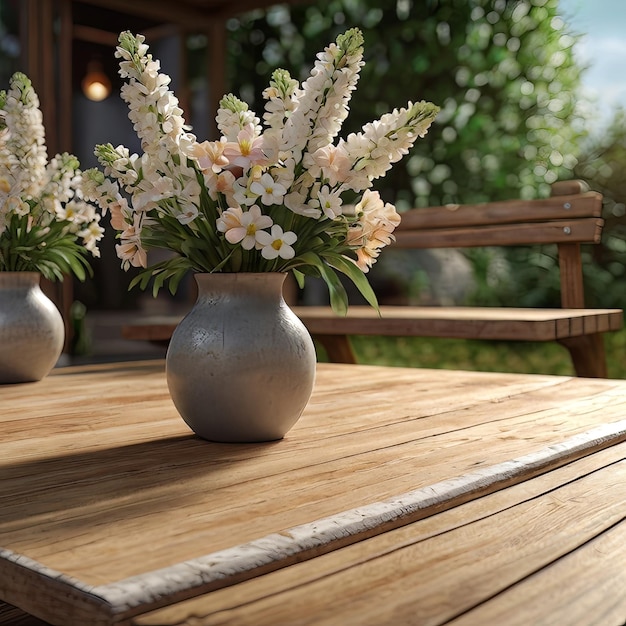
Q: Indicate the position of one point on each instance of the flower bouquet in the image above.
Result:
(46, 229)
(45, 224)
(265, 197)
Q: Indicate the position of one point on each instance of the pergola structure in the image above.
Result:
(58, 37)
(52, 32)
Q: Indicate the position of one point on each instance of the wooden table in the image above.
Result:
(401, 496)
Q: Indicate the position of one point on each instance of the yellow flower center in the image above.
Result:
(277, 244)
(251, 230)
(245, 146)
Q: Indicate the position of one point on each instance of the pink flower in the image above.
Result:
(247, 150)
(210, 155)
(334, 163)
(243, 227)
(130, 251)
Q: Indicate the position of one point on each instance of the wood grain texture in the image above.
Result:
(548, 551)
(574, 205)
(488, 323)
(110, 506)
(585, 230)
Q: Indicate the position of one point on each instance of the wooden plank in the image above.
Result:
(594, 595)
(153, 328)
(568, 231)
(457, 564)
(568, 187)
(105, 494)
(501, 323)
(506, 212)
(12, 616)
(486, 323)
(183, 14)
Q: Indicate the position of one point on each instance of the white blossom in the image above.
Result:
(43, 200)
(266, 195)
(277, 243)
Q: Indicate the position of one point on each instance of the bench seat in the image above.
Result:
(578, 330)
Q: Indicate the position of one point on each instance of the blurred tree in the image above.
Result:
(603, 166)
(502, 71)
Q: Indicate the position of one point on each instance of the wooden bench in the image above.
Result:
(569, 218)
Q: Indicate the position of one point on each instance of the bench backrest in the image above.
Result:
(569, 218)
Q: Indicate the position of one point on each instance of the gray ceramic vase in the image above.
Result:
(241, 365)
(31, 329)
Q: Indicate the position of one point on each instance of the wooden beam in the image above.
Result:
(216, 72)
(94, 35)
(173, 12)
(65, 71)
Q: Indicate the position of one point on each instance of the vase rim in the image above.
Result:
(238, 273)
(233, 277)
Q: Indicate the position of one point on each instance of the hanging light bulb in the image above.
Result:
(96, 85)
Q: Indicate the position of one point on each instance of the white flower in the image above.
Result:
(130, 251)
(269, 191)
(373, 230)
(233, 116)
(387, 140)
(210, 155)
(297, 202)
(91, 235)
(154, 111)
(247, 150)
(323, 102)
(187, 214)
(329, 202)
(276, 243)
(243, 227)
(333, 162)
(203, 199)
(221, 185)
(42, 202)
(281, 99)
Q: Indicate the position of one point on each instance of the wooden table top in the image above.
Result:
(426, 496)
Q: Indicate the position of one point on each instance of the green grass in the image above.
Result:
(487, 356)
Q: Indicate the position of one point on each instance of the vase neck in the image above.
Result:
(261, 284)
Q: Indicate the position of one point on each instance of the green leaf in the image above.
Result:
(338, 295)
(299, 276)
(352, 271)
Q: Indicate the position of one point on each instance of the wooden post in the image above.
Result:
(216, 71)
(53, 83)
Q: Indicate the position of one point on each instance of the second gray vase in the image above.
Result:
(31, 329)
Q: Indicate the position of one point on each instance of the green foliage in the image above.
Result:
(531, 278)
(602, 166)
(487, 356)
(51, 250)
(505, 76)
(503, 73)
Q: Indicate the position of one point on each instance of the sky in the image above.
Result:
(602, 24)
